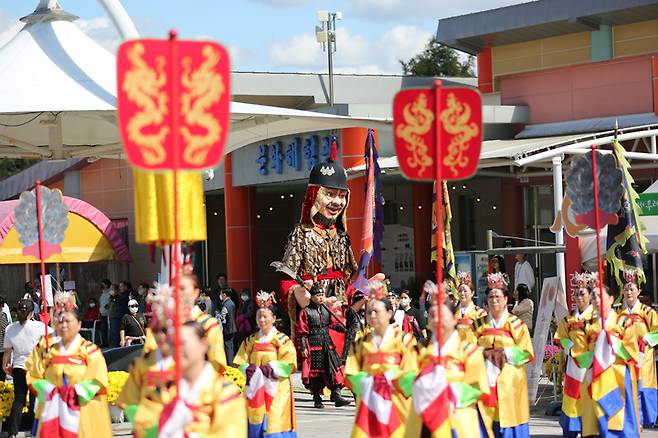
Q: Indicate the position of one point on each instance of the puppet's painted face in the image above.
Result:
(330, 202)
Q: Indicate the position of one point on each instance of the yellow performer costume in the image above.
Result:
(216, 354)
(82, 364)
(614, 387)
(577, 406)
(273, 414)
(380, 371)
(146, 391)
(466, 318)
(643, 321)
(463, 364)
(507, 348)
(217, 408)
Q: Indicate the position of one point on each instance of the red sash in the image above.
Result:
(384, 359)
(491, 331)
(68, 360)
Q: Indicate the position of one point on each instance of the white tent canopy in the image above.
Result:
(58, 97)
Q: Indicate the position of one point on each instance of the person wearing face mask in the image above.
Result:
(92, 313)
(577, 414)
(20, 338)
(643, 321)
(132, 326)
(208, 404)
(507, 347)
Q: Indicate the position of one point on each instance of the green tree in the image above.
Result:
(438, 60)
(11, 166)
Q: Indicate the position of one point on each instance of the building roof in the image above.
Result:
(539, 19)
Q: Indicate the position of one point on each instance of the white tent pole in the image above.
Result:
(585, 143)
(559, 236)
(634, 155)
(120, 18)
(653, 144)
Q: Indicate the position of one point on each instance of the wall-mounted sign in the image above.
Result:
(648, 202)
(272, 157)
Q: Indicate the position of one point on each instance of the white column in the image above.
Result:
(120, 18)
(557, 202)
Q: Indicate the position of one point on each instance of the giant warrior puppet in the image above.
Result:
(319, 249)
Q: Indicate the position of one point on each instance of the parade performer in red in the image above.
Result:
(319, 249)
(321, 364)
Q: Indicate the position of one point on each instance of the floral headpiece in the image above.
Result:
(496, 280)
(582, 279)
(163, 308)
(464, 278)
(64, 302)
(264, 299)
(630, 276)
(377, 289)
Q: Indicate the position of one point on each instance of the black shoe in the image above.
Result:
(317, 402)
(338, 400)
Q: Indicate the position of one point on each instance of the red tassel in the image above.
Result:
(333, 154)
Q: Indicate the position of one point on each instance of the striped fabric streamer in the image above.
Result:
(373, 215)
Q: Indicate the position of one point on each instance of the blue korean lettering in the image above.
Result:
(325, 151)
(311, 151)
(277, 157)
(293, 154)
(262, 159)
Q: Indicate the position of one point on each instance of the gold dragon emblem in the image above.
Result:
(144, 86)
(455, 119)
(205, 87)
(418, 119)
(201, 88)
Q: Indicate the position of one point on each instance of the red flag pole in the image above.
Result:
(597, 225)
(439, 213)
(173, 82)
(45, 318)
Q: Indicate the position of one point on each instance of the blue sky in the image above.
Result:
(276, 35)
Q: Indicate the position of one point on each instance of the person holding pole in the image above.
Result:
(614, 386)
(383, 362)
(577, 408)
(463, 367)
(321, 365)
(507, 347)
(643, 321)
(190, 289)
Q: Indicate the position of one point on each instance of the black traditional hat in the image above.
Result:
(316, 289)
(329, 174)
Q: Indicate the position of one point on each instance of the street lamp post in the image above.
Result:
(325, 34)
